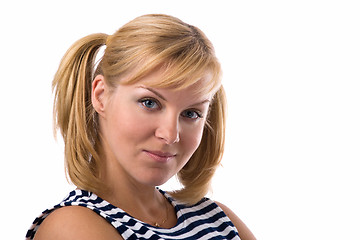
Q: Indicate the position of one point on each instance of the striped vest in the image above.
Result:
(204, 220)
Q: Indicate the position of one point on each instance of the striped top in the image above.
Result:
(204, 220)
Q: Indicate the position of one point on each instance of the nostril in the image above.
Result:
(168, 128)
(168, 136)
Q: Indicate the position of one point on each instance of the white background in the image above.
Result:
(291, 71)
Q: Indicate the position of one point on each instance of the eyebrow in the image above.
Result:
(154, 92)
(163, 98)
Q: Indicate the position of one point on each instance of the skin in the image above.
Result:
(147, 135)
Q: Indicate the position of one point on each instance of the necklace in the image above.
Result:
(156, 224)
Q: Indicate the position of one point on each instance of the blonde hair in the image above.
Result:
(136, 49)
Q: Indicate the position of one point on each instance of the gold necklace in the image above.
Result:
(156, 224)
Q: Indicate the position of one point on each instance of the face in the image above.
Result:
(149, 134)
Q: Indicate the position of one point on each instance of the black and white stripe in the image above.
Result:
(204, 220)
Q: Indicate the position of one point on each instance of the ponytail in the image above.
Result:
(74, 115)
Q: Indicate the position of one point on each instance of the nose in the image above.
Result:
(168, 130)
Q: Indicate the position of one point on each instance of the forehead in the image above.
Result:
(201, 83)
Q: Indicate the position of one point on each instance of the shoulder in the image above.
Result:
(244, 231)
(75, 222)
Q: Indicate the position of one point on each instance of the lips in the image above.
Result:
(160, 156)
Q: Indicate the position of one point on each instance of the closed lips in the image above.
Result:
(161, 154)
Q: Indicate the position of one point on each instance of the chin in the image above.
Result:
(155, 180)
(158, 182)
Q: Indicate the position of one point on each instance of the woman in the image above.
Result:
(153, 108)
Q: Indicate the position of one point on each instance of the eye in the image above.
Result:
(149, 103)
(192, 114)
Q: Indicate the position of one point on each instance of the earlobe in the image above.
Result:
(98, 94)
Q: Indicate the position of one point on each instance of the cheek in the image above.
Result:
(192, 139)
(128, 126)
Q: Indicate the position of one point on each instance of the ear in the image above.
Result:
(98, 95)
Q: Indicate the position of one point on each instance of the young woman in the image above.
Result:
(152, 108)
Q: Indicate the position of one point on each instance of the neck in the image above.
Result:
(123, 191)
(146, 204)
(143, 202)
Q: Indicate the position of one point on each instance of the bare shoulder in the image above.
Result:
(244, 231)
(75, 222)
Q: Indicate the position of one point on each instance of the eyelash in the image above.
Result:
(143, 102)
(198, 114)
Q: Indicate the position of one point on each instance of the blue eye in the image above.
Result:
(191, 114)
(149, 103)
